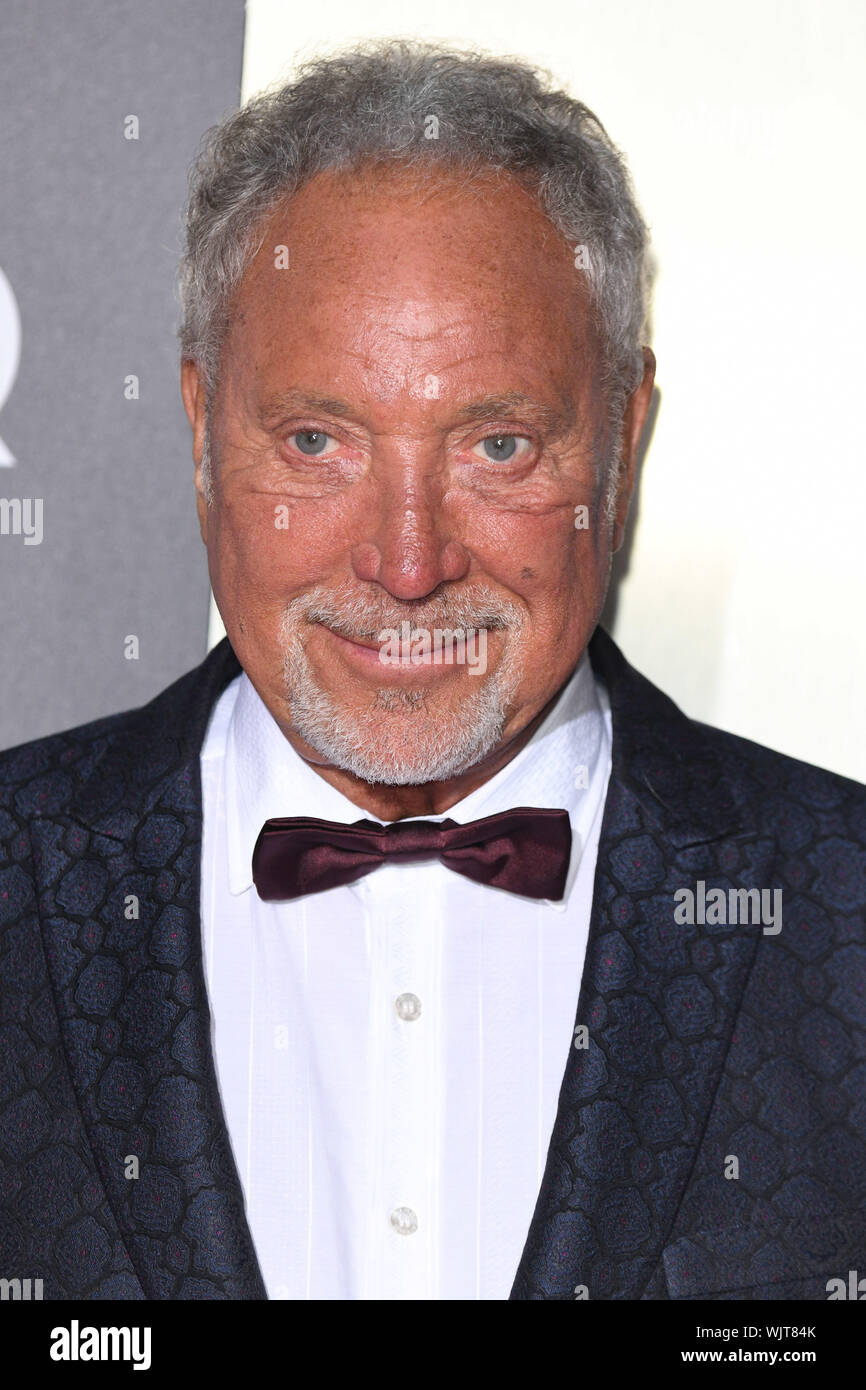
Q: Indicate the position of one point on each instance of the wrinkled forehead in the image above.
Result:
(393, 271)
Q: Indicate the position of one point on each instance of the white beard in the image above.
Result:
(399, 739)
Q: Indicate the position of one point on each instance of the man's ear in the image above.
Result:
(634, 419)
(193, 393)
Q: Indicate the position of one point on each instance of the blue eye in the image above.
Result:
(310, 441)
(503, 448)
(500, 447)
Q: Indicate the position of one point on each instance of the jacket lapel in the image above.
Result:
(658, 1002)
(122, 928)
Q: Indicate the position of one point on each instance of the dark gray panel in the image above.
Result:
(89, 239)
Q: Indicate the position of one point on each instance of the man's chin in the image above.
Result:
(399, 732)
(398, 742)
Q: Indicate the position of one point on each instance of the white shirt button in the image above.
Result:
(408, 1007)
(404, 1221)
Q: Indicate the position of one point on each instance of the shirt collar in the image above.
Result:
(565, 765)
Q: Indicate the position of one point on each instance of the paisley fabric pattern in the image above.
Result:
(704, 1044)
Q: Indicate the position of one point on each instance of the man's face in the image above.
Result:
(408, 424)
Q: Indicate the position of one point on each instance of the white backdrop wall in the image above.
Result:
(743, 124)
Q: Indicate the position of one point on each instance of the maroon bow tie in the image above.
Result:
(523, 851)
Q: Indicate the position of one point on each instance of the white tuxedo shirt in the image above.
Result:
(390, 1053)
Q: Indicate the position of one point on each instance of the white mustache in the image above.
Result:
(361, 617)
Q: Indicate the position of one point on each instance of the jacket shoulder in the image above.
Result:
(706, 776)
(39, 777)
(764, 777)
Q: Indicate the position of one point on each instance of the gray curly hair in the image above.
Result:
(374, 103)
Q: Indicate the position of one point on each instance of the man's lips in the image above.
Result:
(362, 648)
(364, 652)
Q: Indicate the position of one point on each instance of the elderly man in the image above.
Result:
(414, 945)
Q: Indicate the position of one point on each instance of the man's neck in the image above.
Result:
(390, 803)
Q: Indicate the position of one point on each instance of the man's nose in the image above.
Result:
(411, 547)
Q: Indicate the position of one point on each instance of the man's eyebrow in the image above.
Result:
(554, 420)
(285, 402)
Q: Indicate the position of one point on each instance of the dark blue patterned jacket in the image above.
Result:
(705, 1043)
